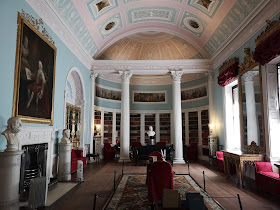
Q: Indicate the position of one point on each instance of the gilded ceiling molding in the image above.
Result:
(57, 25)
(249, 62)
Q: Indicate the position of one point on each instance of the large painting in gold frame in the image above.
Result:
(34, 73)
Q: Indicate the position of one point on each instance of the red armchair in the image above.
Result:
(220, 160)
(266, 179)
(75, 156)
(109, 151)
(161, 178)
(191, 151)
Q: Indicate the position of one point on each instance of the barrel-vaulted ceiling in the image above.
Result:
(102, 26)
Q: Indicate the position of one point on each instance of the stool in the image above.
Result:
(94, 156)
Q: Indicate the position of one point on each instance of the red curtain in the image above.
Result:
(268, 49)
(228, 75)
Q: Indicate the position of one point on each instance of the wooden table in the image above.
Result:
(239, 159)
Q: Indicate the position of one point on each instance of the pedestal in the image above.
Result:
(151, 140)
(213, 145)
(10, 162)
(64, 167)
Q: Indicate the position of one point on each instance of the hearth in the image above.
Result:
(33, 164)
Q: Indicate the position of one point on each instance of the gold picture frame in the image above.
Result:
(34, 82)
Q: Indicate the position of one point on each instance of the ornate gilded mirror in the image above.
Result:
(251, 105)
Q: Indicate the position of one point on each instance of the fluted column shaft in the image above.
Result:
(93, 76)
(177, 116)
(125, 117)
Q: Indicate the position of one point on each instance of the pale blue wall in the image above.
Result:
(239, 53)
(65, 60)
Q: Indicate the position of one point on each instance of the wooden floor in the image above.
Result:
(99, 180)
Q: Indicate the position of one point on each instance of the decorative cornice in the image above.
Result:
(152, 66)
(228, 63)
(249, 61)
(270, 29)
(43, 9)
(37, 24)
(249, 76)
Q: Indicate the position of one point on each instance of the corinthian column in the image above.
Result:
(93, 75)
(125, 118)
(252, 126)
(211, 98)
(177, 116)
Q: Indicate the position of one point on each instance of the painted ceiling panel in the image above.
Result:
(205, 24)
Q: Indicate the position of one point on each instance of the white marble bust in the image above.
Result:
(66, 135)
(151, 132)
(14, 124)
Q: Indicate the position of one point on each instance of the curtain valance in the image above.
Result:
(228, 72)
(268, 43)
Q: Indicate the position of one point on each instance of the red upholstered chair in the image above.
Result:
(266, 179)
(75, 156)
(220, 160)
(149, 166)
(109, 151)
(161, 178)
(158, 154)
(191, 151)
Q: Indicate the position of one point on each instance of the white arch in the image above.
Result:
(75, 78)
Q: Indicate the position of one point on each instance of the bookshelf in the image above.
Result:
(135, 127)
(193, 127)
(204, 126)
(150, 120)
(108, 121)
(183, 128)
(164, 127)
(97, 118)
(118, 126)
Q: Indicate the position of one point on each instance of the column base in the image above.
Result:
(126, 160)
(64, 178)
(179, 161)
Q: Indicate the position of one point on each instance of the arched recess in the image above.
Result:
(74, 96)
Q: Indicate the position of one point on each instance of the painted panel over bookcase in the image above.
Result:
(65, 60)
(239, 53)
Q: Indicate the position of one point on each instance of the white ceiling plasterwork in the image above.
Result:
(55, 23)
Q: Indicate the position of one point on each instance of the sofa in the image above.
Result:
(266, 179)
(142, 153)
(75, 156)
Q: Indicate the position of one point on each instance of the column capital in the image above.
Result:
(125, 75)
(249, 76)
(210, 75)
(93, 75)
(176, 75)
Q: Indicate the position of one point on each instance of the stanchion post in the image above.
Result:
(204, 181)
(115, 172)
(188, 167)
(94, 203)
(122, 166)
(240, 204)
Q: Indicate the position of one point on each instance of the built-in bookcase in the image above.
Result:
(183, 128)
(193, 127)
(118, 126)
(108, 121)
(204, 126)
(150, 120)
(164, 127)
(135, 127)
(97, 119)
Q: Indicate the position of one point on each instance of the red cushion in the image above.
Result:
(220, 155)
(271, 174)
(263, 166)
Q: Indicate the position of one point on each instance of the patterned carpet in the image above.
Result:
(132, 192)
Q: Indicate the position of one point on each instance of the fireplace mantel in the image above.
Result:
(39, 135)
